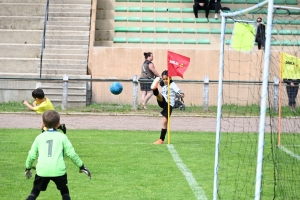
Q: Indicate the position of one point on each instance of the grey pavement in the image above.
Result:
(135, 122)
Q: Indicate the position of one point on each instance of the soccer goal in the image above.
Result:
(257, 153)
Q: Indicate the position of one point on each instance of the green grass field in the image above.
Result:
(126, 165)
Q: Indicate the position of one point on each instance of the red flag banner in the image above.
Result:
(177, 64)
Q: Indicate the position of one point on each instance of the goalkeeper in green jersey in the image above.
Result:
(48, 148)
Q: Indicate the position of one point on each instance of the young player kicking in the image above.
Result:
(47, 149)
(162, 100)
(41, 104)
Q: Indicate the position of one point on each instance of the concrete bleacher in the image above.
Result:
(119, 23)
(66, 50)
(133, 23)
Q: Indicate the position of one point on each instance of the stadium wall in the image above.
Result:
(124, 63)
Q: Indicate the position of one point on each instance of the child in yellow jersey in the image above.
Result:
(41, 104)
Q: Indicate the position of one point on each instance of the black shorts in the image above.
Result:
(164, 105)
(41, 183)
(146, 84)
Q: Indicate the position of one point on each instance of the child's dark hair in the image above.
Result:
(147, 54)
(38, 93)
(51, 118)
(164, 73)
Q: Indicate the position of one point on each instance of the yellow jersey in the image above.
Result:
(44, 106)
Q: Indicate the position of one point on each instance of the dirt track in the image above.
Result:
(133, 122)
(106, 122)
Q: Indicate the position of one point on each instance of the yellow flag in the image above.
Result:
(289, 66)
(243, 36)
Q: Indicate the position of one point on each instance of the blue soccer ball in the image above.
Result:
(116, 88)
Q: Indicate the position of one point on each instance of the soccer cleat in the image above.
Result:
(63, 128)
(159, 141)
(154, 84)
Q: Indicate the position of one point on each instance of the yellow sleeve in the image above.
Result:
(43, 107)
(40, 108)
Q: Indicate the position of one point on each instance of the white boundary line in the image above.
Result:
(198, 191)
(289, 152)
(292, 145)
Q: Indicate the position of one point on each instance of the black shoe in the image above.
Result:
(63, 128)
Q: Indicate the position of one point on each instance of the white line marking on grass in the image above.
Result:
(289, 152)
(292, 145)
(198, 191)
(114, 143)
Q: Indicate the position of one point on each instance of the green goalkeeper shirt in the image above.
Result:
(48, 148)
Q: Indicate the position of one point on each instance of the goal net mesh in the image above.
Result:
(240, 119)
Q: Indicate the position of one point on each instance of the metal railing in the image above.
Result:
(197, 89)
(43, 38)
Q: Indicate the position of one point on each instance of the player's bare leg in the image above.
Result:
(154, 87)
(146, 95)
(163, 131)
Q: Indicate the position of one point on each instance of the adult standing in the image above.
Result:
(148, 72)
(292, 87)
(260, 33)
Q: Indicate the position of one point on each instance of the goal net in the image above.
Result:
(258, 132)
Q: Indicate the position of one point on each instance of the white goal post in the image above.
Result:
(263, 95)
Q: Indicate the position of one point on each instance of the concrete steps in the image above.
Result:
(18, 65)
(64, 56)
(69, 19)
(22, 22)
(10, 36)
(66, 33)
(44, 1)
(76, 90)
(69, 14)
(65, 61)
(66, 48)
(53, 46)
(66, 42)
(65, 37)
(20, 50)
(70, 69)
(161, 46)
(65, 66)
(68, 28)
(74, 71)
(68, 23)
(66, 51)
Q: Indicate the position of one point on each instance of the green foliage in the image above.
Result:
(12, 107)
